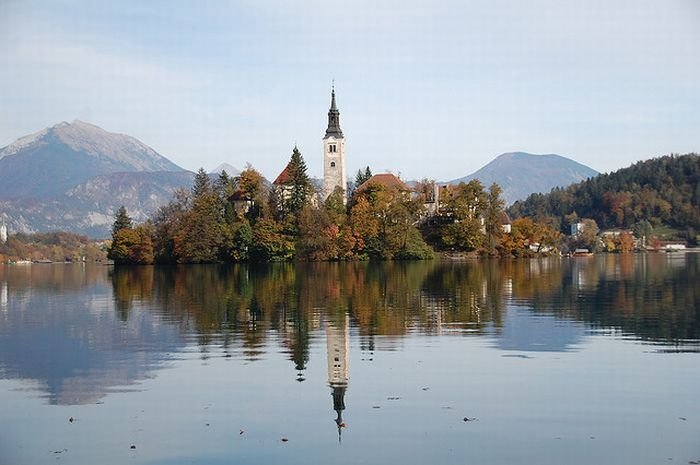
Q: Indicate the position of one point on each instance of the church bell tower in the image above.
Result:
(334, 153)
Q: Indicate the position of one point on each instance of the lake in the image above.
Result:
(592, 360)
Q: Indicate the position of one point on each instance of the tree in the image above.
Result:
(362, 176)
(167, 223)
(201, 184)
(588, 237)
(200, 235)
(299, 183)
(383, 222)
(121, 220)
(335, 208)
(123, 237)
(251, 195)
(270, 243)
(493, 213)
(317, 236)
(644, 231)
(461, 227)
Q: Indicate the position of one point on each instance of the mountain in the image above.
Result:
(73, 177)
(53, 160)
(520, 174)
(230, 170)
(89, 208)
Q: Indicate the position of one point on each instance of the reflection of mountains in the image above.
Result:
(79, 331)
(63, 333)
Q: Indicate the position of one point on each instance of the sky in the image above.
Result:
(426, 89)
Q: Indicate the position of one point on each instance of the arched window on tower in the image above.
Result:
(332, 164)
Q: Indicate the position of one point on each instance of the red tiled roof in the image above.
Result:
(386, 180)
(283, 177)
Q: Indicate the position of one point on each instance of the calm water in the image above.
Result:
(576, 361)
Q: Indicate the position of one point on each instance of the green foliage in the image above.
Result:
(167, 222)
(334, 206)
(362, 176)
(270, 243)
(458, 225)
(298, 185)
(202, 184)
(121, 220)
(493, 215)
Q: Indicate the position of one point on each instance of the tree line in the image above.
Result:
(244, 219)
(651, 195)
(53, 246)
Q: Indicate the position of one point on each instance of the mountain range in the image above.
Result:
(74, 176)
(520, 174)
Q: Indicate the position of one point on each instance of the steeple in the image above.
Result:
(338, 353)
(333, 119)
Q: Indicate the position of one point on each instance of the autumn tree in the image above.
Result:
(462, 228)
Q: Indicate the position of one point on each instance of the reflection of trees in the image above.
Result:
(653, 296)
(57, 277)
(241, 306)
(129, 284)
(246, 309)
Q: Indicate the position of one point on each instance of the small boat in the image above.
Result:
(582, 253)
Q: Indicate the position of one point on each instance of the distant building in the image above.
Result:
(334, 154)
(242, 202)
(504, 221)
(576, 229)
(3, 232)
(387, 180)
(283, 183)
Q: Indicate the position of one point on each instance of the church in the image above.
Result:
(334, 174)
(334, 170)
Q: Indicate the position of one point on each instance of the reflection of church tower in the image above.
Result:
(338, 347)
(333, 153)
(3, 231)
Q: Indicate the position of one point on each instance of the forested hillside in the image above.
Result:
(662, 191)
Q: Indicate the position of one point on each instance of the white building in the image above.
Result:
(334, 174)
(3, 232)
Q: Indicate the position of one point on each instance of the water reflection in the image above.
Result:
(79, 332)
(338, 354)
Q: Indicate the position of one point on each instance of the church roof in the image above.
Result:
(386, 180)
(333, 120)
(283, 177)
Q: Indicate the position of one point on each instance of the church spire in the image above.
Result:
(333, 118)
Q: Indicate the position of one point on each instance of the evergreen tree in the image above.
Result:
(362, 177)
(201, 184)
(123, 237)
(299, 183)
(121, 221)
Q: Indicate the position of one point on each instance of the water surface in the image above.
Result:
(577, 361)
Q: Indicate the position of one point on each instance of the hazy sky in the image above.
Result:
(425, 88)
